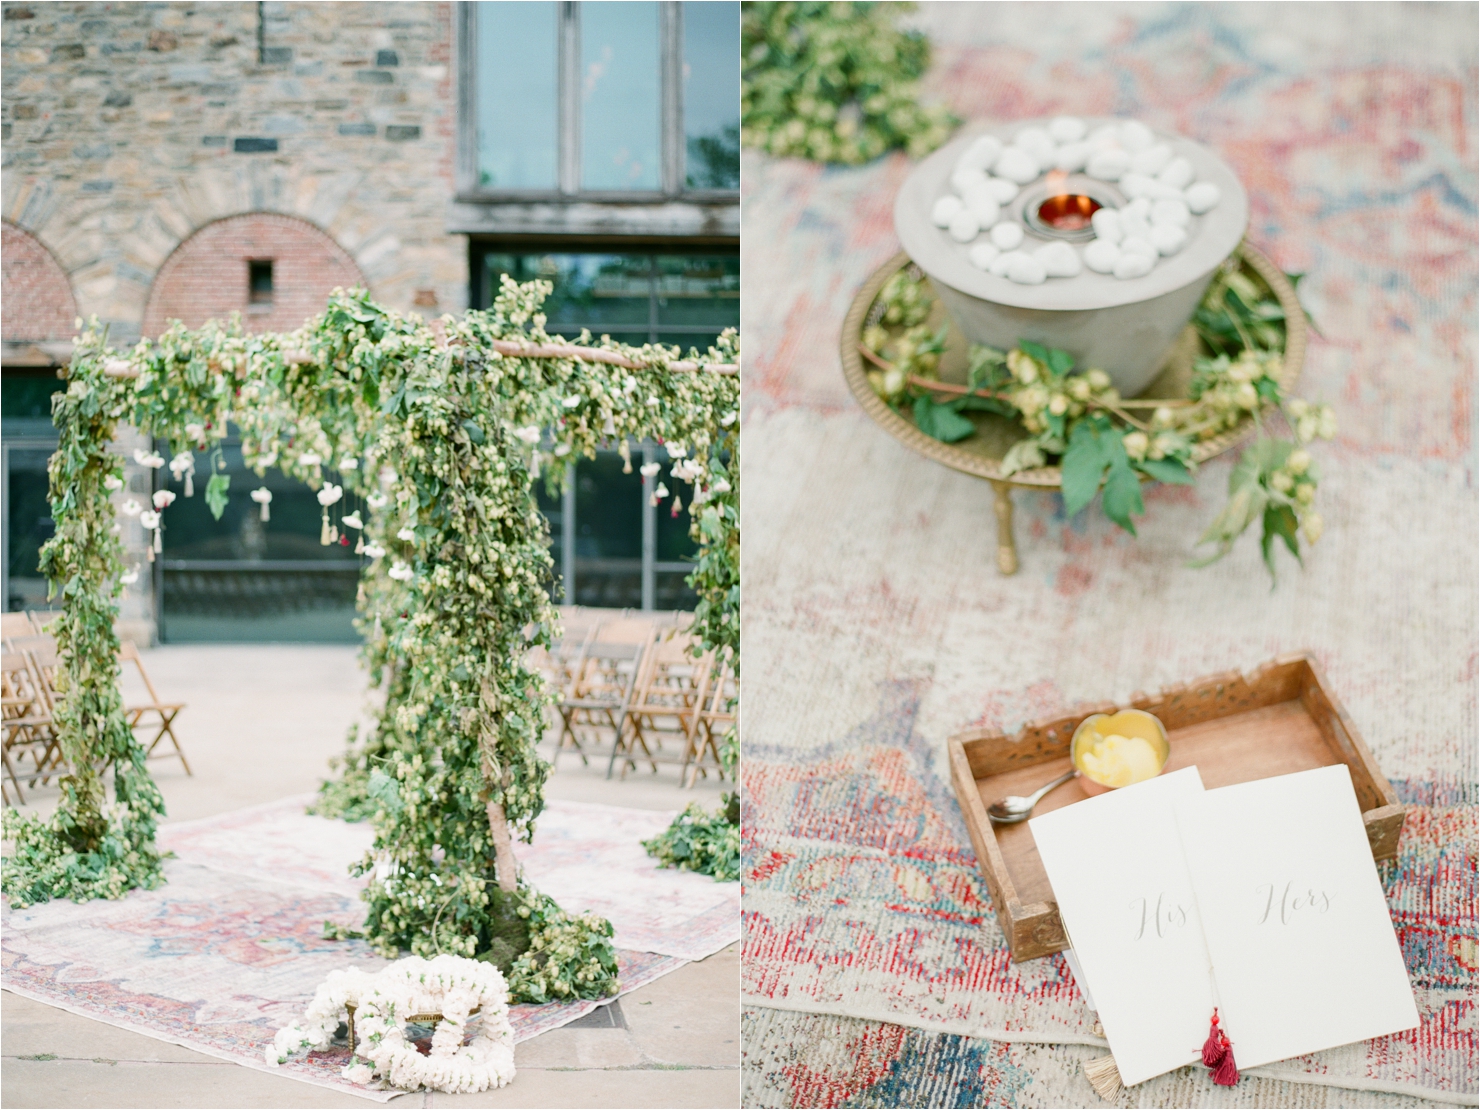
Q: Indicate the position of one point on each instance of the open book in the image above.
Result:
(1260, 899)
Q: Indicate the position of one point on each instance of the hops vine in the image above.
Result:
(443, 440)
(1101, 443)
(835, 82)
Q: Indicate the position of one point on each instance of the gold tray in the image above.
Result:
(981, 455)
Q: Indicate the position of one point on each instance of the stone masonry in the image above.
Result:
(127, 128)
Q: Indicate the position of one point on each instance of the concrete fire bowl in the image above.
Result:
(1124, 327)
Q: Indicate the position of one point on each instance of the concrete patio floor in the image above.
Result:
(261, 723)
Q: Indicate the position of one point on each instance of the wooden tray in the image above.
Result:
(1281, 719)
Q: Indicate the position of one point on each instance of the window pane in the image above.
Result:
(608, 533)
(711, 95)
(553, 507)
(599, 291)
(698, 289)
(263, 597)
(619, 95)
(29, 527)
(518, 104)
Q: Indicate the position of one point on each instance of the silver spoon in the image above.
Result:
(1012, 809)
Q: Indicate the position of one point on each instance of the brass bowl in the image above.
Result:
(1126, 722)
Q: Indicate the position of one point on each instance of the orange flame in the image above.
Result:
(1055, 181)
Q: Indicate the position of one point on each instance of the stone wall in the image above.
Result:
(129, 127)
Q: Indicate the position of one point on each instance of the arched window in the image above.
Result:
(276, 270)
(38, 302)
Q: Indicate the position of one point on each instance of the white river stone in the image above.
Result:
(1178, 173)
(1007, 235)
(1036, 142)
(1202, 197)
(1017, 165)
(1106, 223)
(1067, 129)
(1134, 244)
(1133, 265)
(1005, 191)
(1059, 260)
(1026, 270)
(964, 226)
(1152, 160)
(999, 264)
(1173, 212)
(983, 254)
(981, 154)
(1072, 157)
(1168, 239)
(1133, 225)
(1101, 256)
(963, 179)
(945, 208)
(1108, 165)
(1105, 138)
(1135, 136)
(1141, 205)
(1143, 185)
(983, 205)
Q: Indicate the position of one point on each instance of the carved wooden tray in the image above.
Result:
(1281, 719)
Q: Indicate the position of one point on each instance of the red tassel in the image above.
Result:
(1215, 1048)
(1227, 1073)
(1217, 1054)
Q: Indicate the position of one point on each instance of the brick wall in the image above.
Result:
(35, 299)
(128, 128)
(207, 275)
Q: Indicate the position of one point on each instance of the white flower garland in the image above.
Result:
(448, 985)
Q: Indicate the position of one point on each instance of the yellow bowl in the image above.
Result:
(1127, 722)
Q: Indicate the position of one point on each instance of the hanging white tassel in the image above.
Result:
(263, 497)
(324, 531)
(158, 540)
(189, 482)
(626, 457)
(360, 545)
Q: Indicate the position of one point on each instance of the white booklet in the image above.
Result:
(1260, 898)
(1303, 948)
(1130, 913)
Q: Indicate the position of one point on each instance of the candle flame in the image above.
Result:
(1055, 180)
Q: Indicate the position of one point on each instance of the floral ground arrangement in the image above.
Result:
(1074, 419)
(444, 439)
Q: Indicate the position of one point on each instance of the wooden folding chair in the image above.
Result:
(718, 710)
(40, 618)
(164, 712)
(601, 688)
(16, 626)
(40, 651)
(664, 700)
(27, 720)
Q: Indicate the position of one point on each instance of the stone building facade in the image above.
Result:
(167, 160)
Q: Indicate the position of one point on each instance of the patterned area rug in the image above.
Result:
(877, 624)
(231, 948)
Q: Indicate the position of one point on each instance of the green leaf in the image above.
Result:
(1036, 351)
(1084, 465)
(1060, 362)
(385, 790)
(1123, 496)
(1279, 520)
(1171, 471)
(941, 421)
(216, 494)
(475, 433)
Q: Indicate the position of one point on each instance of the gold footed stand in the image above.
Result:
(1007, 560)
(981, 454)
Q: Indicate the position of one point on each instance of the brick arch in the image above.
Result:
(206, 276)
(37, 295)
